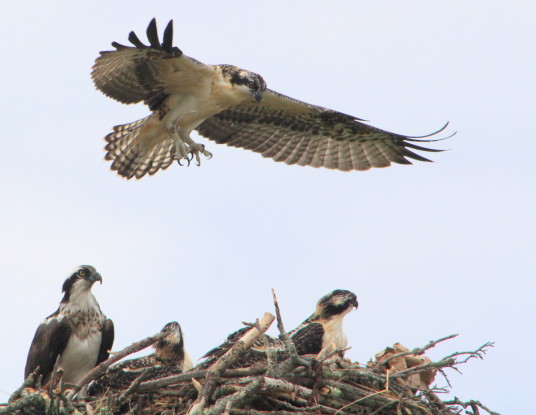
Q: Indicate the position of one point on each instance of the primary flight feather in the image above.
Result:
(230, 106)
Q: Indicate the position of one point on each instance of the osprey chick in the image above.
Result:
(170, 358)
(321, 334)
(78, 332)
(230, 106)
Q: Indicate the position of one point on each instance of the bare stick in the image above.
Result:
(100, 369)
(417, 350)
(448, 361)
(472, 404)
(197, 374)
(282, 332)
(229, 357)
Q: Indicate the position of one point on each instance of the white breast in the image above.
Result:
(334, 337)
(80, 356)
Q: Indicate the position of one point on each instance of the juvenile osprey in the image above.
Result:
(78, 332)
(321, 334)
(230, 106)
(170, 358)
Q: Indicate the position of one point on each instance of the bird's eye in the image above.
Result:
(82, 273)
(252, 85)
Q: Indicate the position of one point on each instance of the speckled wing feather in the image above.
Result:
(294, 132)
(107, 340)
(256, 353)
(121, 375)
(51, 338)
(308, 339)
(145, 73)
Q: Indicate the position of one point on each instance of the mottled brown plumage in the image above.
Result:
(170, 358)
(230, 106)
(321, 334)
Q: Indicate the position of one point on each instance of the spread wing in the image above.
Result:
(294, 132)
(107, 340)
(49, 341)
(148, 73)
(308, 339)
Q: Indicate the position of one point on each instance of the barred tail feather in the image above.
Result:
(140, 147)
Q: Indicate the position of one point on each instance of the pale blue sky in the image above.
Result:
(429, 249)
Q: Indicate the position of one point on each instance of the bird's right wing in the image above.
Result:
(49, 341)
(147, 73)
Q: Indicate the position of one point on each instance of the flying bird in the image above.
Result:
(228, 105)
(321, 334)
(170, 358)
(78, 332)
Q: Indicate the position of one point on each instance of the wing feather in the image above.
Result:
(308, 339)
(295, 132)
(146, 73)
(107, 340)
(50, 340)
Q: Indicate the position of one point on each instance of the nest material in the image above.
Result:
(396, 382)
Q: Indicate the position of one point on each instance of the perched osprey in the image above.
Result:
(78, 332)
(321, 334)
(169, 358)
(230, 106)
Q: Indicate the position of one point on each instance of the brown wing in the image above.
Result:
(308, 339)
(107, 341)
(294, 132)
(147, 73)
(51, 338)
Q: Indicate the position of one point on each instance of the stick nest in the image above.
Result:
(396, 382)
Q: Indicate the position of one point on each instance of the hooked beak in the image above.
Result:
(258, 95)
(96, 277)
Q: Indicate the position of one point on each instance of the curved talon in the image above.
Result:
(179, 162)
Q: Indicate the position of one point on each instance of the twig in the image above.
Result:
(100, 369)
(368, 396)
(417, 350)
(197, 374)
(52, 383)
(229, 357)
(134, 385)
(228, 401)
(448, 361)
(472, 404)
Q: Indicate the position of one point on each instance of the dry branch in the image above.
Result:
(100, 369)
(305, 390)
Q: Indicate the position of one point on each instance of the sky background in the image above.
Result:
(430, 249)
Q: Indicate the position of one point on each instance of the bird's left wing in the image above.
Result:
(294, 132)
(148, 73)
(308, 339)
(107, 340)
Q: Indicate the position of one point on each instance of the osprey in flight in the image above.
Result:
(230, 106)
(170, 358)
(78, 332)
(321, 335)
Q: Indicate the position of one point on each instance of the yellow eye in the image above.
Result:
(82, 273)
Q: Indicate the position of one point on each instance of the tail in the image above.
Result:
(141, 147)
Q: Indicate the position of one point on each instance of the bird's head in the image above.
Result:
(247, 81)
(336, 303)
(80, 281)
(172, 345)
